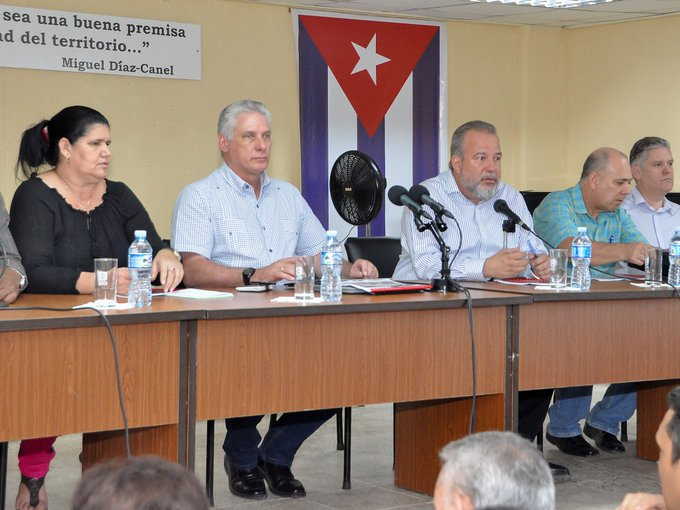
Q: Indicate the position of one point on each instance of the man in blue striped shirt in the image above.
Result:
(469, 191)
(238, 225)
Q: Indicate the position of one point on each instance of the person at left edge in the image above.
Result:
(13, 279)
(61, 219)
(237, 225)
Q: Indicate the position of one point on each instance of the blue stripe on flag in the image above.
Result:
(314, 126)
(375, 147)
(426, 113)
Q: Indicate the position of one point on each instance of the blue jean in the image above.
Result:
(243, 448)
(573, 404)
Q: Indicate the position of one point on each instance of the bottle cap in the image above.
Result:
(140, 233)
(331, 233)
(582, 229)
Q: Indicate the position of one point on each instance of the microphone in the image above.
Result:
(399, 196)
(502, 207)
(421, 195)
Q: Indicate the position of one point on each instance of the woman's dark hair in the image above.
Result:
(40, 143)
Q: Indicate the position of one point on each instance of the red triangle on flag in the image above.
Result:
(391, 52)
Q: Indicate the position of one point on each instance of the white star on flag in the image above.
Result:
(369, 59)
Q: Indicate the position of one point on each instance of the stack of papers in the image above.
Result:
(383, 286)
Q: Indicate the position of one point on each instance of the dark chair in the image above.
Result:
(3, 473)
(533, 199)
(382, 251)
(673, 197)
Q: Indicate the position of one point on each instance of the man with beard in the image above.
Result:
(469, 191)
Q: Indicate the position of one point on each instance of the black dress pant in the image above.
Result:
(533, 408)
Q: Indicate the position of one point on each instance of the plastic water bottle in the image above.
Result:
(581, 251)
(140, 256)
(331, 269)
(674, 259)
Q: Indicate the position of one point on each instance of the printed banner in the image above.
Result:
(377, 86)
(94, 43)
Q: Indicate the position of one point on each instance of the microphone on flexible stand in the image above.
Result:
(502, 207)
(399, 196)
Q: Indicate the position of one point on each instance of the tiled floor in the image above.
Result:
(597, 483)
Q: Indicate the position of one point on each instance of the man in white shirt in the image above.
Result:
(651, 162)
(469, 190)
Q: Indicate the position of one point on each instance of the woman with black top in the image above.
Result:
(61, 220)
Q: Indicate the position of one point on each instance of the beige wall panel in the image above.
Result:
(164, 130)
(622, 85)
(553, 94)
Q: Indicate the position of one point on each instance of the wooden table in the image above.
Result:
(188, 360)
(616, 332)
(257, 357)
(58, 375)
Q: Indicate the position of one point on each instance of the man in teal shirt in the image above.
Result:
(593, 203)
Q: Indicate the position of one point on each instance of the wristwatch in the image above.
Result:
(247, 274)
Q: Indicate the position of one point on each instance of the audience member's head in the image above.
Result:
(668, 439)
(606, 180)
(139, 483)
(651, 162)
(493, 470)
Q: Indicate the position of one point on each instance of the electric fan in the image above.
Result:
(357, 188)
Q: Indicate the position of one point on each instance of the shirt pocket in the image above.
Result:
(290, 231)
(239, 237)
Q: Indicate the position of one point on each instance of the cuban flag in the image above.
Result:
(373, 85)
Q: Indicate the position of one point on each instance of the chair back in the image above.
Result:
(673, 197)
(382, 251)
(533, 199)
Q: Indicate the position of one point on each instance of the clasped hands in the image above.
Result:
(510, 262)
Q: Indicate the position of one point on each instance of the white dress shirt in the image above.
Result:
(657, 225)
(481, 226)
(220, 218)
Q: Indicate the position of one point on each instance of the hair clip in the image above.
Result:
(45, 135)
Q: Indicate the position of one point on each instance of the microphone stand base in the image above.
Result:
(445, 285)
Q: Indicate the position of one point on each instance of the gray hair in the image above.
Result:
(459, 134)
(227, 119)
(139, 483)
(498, 469)
(673, 427)
(598, 160)
(641, 148)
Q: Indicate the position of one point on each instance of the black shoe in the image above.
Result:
(245, 483)
(606, 441)
(574, 445)
(558, 470)
(281, 480)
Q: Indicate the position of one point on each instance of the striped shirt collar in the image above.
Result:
(668, 206)
(239, 184)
